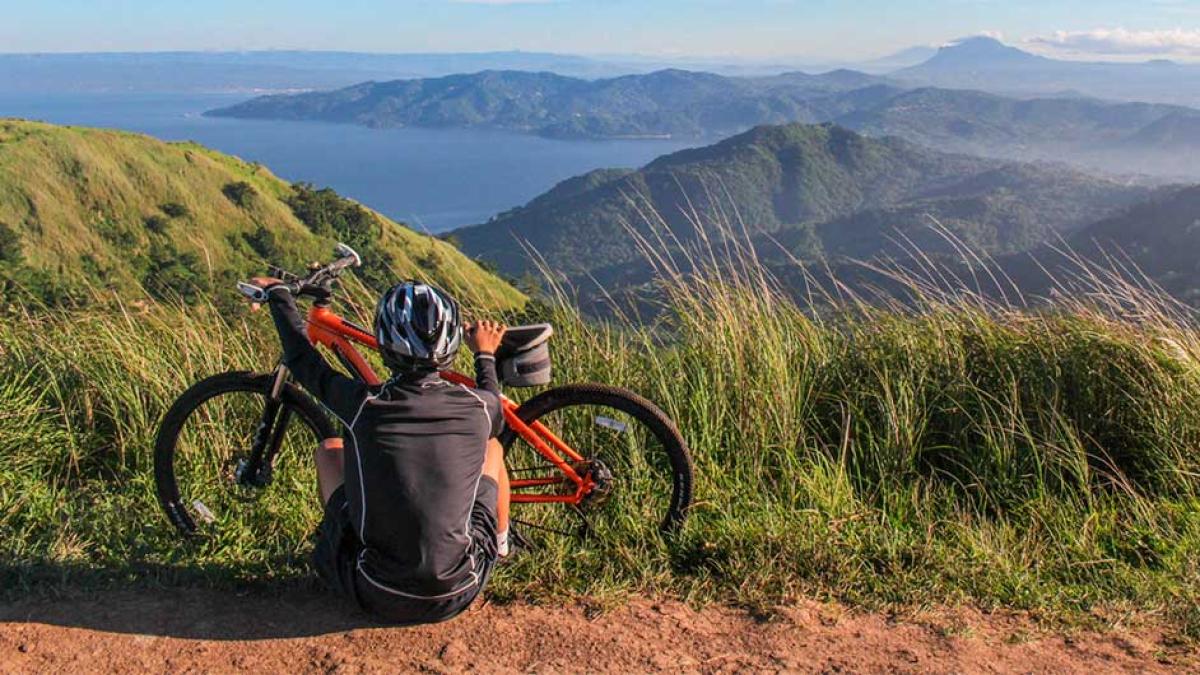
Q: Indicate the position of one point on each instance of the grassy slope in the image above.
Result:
(79, 200)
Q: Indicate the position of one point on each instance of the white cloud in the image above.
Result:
(993, 34)
(1119, 41)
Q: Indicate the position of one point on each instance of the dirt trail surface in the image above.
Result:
(210, 631)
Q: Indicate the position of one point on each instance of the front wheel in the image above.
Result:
(630, 448)
(230, 455)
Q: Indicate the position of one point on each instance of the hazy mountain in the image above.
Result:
(988, 64)
(815, 190)
(268, 70)
(282, 70)
(904, 58)
(84, 208)
(1126, 138)
(663, 103)
(981, 53)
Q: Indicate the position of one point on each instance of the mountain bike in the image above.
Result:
(581, 457)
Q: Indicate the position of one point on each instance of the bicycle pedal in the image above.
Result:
(202, 512)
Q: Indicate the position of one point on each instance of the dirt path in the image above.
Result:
(196, 630)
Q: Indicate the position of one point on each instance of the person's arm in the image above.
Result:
(483, 338)
(485, 372)
(338, 392)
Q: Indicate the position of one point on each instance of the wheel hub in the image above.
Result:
(244, 476)
(602, 484)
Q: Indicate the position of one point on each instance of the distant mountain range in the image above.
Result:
(973, 63)
(988, 64)
(1122, 138)
(663, 103)
(1154, 139)
(289, 70)
(162, 72)
(803, 191)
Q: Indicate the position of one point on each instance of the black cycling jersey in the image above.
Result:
(414, 452)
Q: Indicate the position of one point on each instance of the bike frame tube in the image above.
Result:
(340, 336)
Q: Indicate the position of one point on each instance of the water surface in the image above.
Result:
(432, 179)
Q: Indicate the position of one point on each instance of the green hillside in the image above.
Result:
(817, 190)
(86, 207)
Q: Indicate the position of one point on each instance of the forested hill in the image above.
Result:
(86, 208)
(819, 190)
(668, 102)
(1157, 239)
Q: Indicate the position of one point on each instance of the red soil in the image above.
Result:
(201, 630)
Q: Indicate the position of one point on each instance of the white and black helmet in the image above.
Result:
(418, 327)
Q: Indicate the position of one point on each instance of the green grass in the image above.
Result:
(948, 451)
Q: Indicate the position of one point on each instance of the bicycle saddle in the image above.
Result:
(523, 338)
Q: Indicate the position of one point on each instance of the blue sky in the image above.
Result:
(752, 29)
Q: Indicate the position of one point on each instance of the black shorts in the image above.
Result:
(337, 550)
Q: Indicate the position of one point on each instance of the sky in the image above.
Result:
(783, 30)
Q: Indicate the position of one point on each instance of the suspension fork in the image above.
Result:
(268, 436)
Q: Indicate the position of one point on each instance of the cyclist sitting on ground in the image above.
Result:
(416, 506)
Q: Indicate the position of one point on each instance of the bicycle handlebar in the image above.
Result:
(315, 285)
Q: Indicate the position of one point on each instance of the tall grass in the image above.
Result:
(949, 449)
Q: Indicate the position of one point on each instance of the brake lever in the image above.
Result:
(282, 274)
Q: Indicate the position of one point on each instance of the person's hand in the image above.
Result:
(263, 283)
(484, 336)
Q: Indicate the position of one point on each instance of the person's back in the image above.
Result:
(415, 493)
(412, 490)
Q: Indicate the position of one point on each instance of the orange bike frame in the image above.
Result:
(339, 336)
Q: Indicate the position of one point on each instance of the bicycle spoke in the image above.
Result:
(214, 448)
(621, 456)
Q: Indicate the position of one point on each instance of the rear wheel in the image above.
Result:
(630, 448)
(231, 460)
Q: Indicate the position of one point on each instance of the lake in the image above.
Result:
(434, 180)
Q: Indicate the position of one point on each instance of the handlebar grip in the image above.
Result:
(254, 293)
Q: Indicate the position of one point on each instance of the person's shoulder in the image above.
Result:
(483, 395)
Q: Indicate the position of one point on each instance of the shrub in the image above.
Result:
(175, 210)
(172, 275)
(10, 245)
(326, 213)
(263, 242)
(156, 224)
(240, 193)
